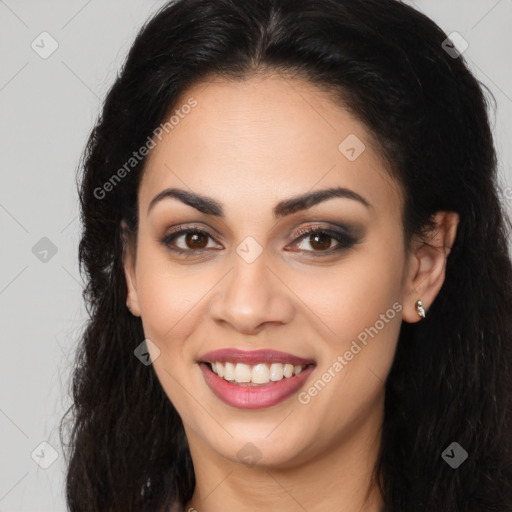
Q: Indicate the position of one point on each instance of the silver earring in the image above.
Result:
(419, 308)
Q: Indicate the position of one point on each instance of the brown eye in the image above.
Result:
(320, 239)
(194, 240)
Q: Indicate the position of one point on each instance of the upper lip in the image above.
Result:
(253, 357)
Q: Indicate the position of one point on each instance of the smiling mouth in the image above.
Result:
(260, 374)
(254, 379)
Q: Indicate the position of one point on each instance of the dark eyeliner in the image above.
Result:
(343, 237)
(345, 240)
(167, 239)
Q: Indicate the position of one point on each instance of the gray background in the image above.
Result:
(48, 107)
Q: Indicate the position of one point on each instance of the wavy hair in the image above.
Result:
(451, 378)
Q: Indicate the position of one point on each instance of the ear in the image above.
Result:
(426, 265)
(132, 298)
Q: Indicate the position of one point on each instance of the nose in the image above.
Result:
(250, 296)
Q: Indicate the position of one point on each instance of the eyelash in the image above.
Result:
(345, 240)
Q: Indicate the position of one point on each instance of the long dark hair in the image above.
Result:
(451, 379)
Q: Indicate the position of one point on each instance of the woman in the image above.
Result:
(298, 277)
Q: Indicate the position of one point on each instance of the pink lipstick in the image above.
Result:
(254, 379)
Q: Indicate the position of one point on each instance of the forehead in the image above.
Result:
(267, 137)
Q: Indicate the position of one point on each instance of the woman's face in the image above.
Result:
(254, 282)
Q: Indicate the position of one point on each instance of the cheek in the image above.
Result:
(360, 302)
(173, 298)
(353, 294)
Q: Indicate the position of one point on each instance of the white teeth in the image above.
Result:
(276, 371)
(229, 371)
(288, 370)
(242, 373)
(260, 373)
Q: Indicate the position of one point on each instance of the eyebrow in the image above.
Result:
(288, 206)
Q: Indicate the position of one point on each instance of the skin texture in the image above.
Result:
(249, 145)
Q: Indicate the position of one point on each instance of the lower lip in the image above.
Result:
(254, 397)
